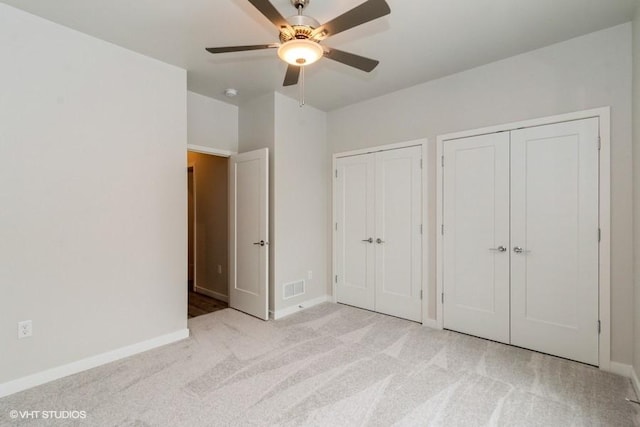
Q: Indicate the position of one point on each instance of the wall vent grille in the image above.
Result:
(293, 289)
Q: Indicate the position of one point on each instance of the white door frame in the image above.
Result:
(209, 150)
(604, 308)
(425, 212)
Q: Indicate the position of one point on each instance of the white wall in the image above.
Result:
(300, 222)
(92, 195)
(636, 180)
(583, 73)
(256, 123)
(212, 123)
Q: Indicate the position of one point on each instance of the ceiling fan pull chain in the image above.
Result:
(301, 86)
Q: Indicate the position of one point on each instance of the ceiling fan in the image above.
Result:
(300, 36)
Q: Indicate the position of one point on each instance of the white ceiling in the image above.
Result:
(419, 41)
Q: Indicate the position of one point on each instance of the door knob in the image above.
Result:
(499, 249)
(369, 240)
(261, 243)
(519, 250)
(379, 240)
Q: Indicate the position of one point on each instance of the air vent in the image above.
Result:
(293, 289)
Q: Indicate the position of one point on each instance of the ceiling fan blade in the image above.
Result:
(241, 48)
(292, 75)
(351, 59)
(271, 13)
(367, 11)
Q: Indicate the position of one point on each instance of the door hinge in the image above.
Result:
(442, 229)
(599, 327)
(442, 297)
(336, 173)
(336, 278)
(420, 163)
(420, 293)
(420, 228)
(599, 235)
(599, 142)
(336, 226)
(442, 161)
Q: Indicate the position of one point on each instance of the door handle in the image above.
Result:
(369, 240)
(261, 243)
(499, 249)
(379, 241)
(519, 250)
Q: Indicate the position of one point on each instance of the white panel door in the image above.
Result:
(476, 236)
(354, 208)
(554, 239)
(398, 270)
(249, 239)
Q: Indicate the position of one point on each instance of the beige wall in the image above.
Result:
(586, 72)
(211, 191)
(190, 225)
(93, 222)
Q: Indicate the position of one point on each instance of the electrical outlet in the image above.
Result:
(25, 329)
(219, 269)
(309, 275)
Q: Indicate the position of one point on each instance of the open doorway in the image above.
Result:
(208, 224)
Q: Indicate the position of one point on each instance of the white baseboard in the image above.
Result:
(211, 294)
(279, 314)
(621, 369)
(626, 371)
(431, 323)
(52, 374)
(635, 382)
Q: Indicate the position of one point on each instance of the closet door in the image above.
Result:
(398, 212)
(554, 239)
(476, 236)
(355, 247)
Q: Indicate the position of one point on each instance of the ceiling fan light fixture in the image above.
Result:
(300, 52)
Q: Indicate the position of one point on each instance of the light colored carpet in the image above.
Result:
(333, 365)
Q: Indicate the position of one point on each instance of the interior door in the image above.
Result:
(398, 235)
(355, 247)
(476, 236)
(249, 240)
(554, 217)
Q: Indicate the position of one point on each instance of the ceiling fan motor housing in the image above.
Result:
(302, 26)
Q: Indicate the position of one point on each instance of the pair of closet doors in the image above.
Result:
(521, 236)
(378, 231)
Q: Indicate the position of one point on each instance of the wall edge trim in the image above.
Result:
(212, 294)
(635, 381)
(621, 369)
(279, 314)
(48, 375)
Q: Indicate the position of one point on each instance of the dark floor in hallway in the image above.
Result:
(200, 304)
